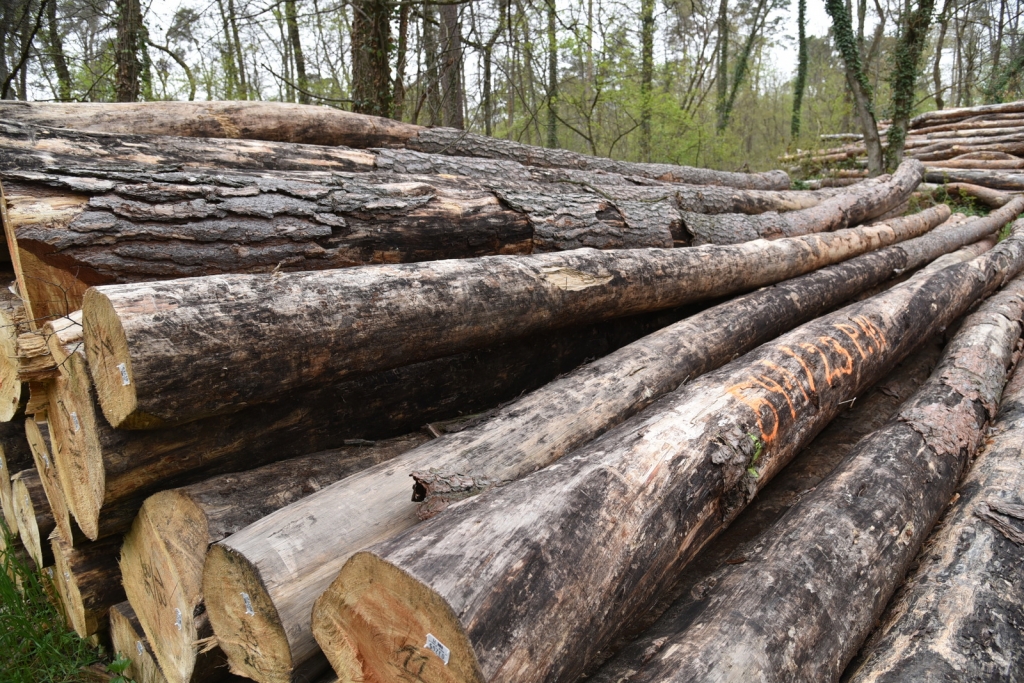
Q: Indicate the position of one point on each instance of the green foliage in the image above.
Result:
(801, 69)
(758, 451)
(35, 646)
(960, 202)
(905, 60)
(842, 28)
(119, 666)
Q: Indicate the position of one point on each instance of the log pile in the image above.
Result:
(969, 150)
(293, 394)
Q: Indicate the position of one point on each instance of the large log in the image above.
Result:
(15, 456)
(171, 352)
(997, 180)
(322, 126)
(88, 581)
(835, 559)
(35, 520)
(841, 211)
(742, 538)
(983, 195)
(274, 638)
(946, 115)
(531, 581)
(107, 473)
(958, 616)
(162, 557)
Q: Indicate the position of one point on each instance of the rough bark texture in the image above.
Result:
(107, 473)
(158, 352)
(162, 557)
(841, 211)
(875, 510)
(15, 456)
(88, 581)
(959, 615)
(35, 521)
(738, 543)
(323, 126)
(996, 180)
(612, 510)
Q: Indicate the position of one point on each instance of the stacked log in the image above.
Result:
(35, 519)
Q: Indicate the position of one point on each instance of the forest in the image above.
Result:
(717, 83)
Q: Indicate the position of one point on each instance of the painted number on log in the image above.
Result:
(438, 648)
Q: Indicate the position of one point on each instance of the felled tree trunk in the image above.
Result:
(15, 456)
(434, 309)
(38, 434)
(162, 557)
(107, 473)
(996, 180)
(571, 537)
(89, 582)
(958, 616)
(35, 521)
(946, 115)
(323, 126)
(838, 212)
(518, 439)
(13, 323)
(878, 506)
(130, 643)
(984, 195)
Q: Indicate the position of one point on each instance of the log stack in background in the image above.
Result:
(293, 333)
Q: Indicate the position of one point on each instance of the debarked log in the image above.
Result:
(996, 180)
(163, 555)
(106, 473)
(958, 616)
(593, 540)
(837, 556)
(323, 126)
(841, 211)
(171, 352)
(35, 520)
(269, 638)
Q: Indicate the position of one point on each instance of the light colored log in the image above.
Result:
(944, 115)
(37, 432)
(13, 322)
(630, 509)
(35, 520)
(130, 643)
(996, 180)
(163, 555)
(63, 337)
(876, 509)
(132, 331)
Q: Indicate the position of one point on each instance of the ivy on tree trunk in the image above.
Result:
(906, 57)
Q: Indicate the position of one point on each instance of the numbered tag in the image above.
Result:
(438, 648)
(124, 374)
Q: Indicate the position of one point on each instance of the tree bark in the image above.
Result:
(129, 41)
(841, 211)
(435, 309)
(906, 58)
(972, 164)
(88, 581)
(371, 70)
(15, 456)
(453, 96)
(324, 126)
(35, 520)
(996, 180)
(611, 514)
(957, 616)
(552, 84)
(107, 473)
(877, 508)
(557, 418)
(162, 557)
(292, 19)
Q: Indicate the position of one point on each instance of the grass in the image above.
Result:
(35, 645)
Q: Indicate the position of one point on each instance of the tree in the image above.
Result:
(906, 58)
(371, 55)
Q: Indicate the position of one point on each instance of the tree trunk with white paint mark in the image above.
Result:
(35, 520)
(626, 512)
(877, 507)
(154, 366)
(958, 616)
(106, 473)
(163, 555)
(323, 126)
(520, 438)
(841, 211)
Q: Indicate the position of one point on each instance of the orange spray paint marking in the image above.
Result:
(770, 385)
(872, 331)
(824, 359)
(792, 383)
(854, 334)
(755, 403)
(807, 369)
(840, 350)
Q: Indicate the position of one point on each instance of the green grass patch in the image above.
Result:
(35, 644)
(960, 202)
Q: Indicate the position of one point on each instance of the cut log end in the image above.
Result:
(88, 582)
(106, 347)
(129, 642)
(164, 581)
(35, 522)
(243, 616)
(83, 623)
(376, 622)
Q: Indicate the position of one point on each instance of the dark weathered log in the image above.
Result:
(162, 557)
(841, 211)
(593, 540)
(835, 559)
(107, 473)
(15, 456)
(322, 126)
(736, 544)
(35, 520)
(273, 638)
(158, 351)
(997, 180)
(89, 582)
(958, 617)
